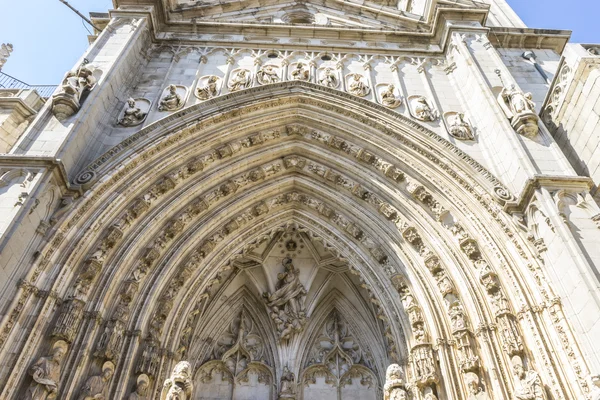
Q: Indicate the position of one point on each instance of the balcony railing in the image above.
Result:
(9, 82)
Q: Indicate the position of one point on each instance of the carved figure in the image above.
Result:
(132, 115)
(141, 389)
(288, 384)
(473, 389)
(388, 97)
(394, 385)
(357, 86)
(172, 101)
(179, 386)
(95, 387)
(74, 86)
(520, 110)
(457, 317)
(459, 128)
(328, 78)
(422, 110)
(300, 73)
(45, 373)
(210, 90)
(268, 74)
(240, 81)
(528, 385)
(286, 303)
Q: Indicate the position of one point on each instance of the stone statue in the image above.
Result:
(240, 81)
(394, 385)
(474, 391)
(209, 90)
(172, 101)
(520, 110)
(328, 78)
(45, 373)
(141, 389)
(132, 115)
(268, 74)
(95, 387)
(68, 101)
(286, 303)
(179, 386)
(423, 110)
(357, 86)
(457, 316)
(389, 99)
(459, 128)
(300, 73)
(528, 385)
(288, 384)
(518, 101)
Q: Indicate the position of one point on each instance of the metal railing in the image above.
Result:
(9, 82)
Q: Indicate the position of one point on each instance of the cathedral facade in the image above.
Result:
(306, 200)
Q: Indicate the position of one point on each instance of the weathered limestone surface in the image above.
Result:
(305, 200)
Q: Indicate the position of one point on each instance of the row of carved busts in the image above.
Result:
(45, 378)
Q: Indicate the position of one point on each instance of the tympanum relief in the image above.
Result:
(286, 303)
(173, 98)
(135, 112)
(208, 87)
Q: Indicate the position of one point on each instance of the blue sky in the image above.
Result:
(49, 38)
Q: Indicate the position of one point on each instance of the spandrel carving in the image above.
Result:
(45, 374)
(286, 303)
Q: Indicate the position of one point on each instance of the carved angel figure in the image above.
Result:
(459, 128)
(300, 73)
(268, 74)
(328, 78)
(141, 389)
(172, 101)
(286, 303)
(389, 99)
(209, 90)
(423, 110)
(132, 115)
(240, 81)
(179, 386)
(357, 86)
(95, 387)
(528, 385)
(46, 374)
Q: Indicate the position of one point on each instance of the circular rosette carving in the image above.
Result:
(503, 194)
(85, 178)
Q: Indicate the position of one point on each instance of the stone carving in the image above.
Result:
(268, 74)
(528, 385)
(287, 388)
(328, 77)
(457, 317)
(389, 98)
(96, 386)
(520, 110)
(141, 389)
(458, 127)
(240, 80)
(45, 373)
(421, 108)
(179, 385)
(596, 387)
(356, 86)
(67, 323)
(423, 365)
(173, 98)
(300, 72)
(474, 391)
(394, 385)
(76, 84)
(286, 303)
(135, 112)
(5, 50)
(208, 87)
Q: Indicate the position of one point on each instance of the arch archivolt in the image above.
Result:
(151, 231)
